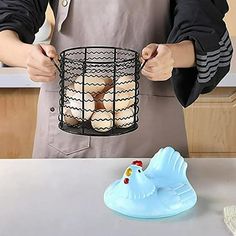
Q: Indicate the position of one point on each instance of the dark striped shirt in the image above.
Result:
(198, 20)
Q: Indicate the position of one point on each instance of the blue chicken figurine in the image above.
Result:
(161, 190)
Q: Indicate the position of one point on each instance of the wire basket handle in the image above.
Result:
(55, 64)
(154, 53)
(52, 59)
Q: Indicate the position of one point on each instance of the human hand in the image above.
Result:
(39, 65)
(160, 62)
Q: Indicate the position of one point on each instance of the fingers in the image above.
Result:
(164, 55)
(36, 71)
(39, 64)
(160, 67)
(149, 51)
(42, 78)
(159, 75)
(50, 51)
(38, 59)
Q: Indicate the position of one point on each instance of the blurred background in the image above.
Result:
(210, 122)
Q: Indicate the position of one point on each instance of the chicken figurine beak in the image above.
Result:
(129, 171)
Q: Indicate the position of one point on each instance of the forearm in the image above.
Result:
(183, 54)
(13, 52)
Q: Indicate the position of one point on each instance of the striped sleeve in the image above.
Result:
(209, 62)
(202, 22)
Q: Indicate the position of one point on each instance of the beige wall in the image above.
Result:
(231, 17)
(50, 15)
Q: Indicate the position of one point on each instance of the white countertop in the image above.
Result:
(18, 78)
(65, 197)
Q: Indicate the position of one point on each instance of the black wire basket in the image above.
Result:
(99, 91)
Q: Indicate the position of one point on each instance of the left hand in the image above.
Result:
(160, 65)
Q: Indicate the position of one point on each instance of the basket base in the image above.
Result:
(87, 130)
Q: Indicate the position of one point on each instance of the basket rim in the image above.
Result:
(62, 54)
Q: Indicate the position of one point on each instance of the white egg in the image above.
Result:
(124, 118)
(121, 99)
(127, 82)
(108, 80)
(68, 117)
(102, 120)
(91, 84)
(76, 105)
(132, 98)
(70, 91)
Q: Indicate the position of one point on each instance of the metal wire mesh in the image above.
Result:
(99, 91)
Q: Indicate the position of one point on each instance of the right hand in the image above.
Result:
(39, 65)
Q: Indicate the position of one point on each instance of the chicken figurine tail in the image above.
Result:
(162, 190)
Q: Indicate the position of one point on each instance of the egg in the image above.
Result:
(68, 117)
(121, 99)
(99, 101)
(76, 106)
(70, 91)
(124, 118)
(127, 82)
(109, 84)
(108, 80)
(102, 120)
(132, 98)
(92, 84)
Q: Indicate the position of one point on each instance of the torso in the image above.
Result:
(126, 24)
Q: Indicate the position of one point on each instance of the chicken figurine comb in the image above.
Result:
(161, 190)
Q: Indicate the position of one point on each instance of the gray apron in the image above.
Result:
(120, 23)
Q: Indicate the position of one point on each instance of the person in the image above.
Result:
(193, 53)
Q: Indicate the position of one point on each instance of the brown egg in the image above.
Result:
(99, 101)
(109, 84)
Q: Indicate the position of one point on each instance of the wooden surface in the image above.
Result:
(210, 123)
(231, 17)
(17, 122)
